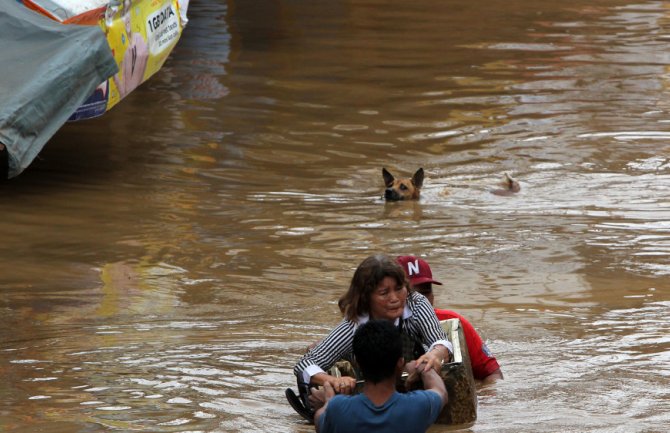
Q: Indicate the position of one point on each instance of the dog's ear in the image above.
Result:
(388, 177)
(417, 179)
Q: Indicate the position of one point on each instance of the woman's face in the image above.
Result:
(388, 300)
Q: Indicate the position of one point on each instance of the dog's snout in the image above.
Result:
(391, 194)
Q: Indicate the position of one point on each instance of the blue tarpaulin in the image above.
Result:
(47, 70)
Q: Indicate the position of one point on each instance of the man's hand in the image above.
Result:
(412, 375)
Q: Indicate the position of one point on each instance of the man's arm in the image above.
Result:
(432, 381)
(496, 375)
(329, 393)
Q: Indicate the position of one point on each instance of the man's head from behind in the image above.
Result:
(378, 350)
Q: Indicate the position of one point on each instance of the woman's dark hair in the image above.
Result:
(377, 348)
(356, 301)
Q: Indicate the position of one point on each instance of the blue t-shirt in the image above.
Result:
(410, 412)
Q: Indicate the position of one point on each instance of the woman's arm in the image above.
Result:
(336, 346)
(431, 333)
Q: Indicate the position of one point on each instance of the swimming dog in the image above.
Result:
(509, 186)
(402, 189)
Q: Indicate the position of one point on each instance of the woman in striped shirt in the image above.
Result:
(378, 290)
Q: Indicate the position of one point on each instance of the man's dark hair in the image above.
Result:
(377, 348)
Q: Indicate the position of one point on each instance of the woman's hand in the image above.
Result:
(341, 385)
(433, 359)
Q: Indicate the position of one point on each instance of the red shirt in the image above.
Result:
(483, 362)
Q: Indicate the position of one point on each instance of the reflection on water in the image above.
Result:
(165, 265)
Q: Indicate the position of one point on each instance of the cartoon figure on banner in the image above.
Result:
(134, 62)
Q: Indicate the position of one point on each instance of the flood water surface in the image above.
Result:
(164, 266)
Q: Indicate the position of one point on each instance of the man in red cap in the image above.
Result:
(484, 365)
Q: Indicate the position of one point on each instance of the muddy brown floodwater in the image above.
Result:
(163, 267)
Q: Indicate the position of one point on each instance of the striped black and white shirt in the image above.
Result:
(419, 322)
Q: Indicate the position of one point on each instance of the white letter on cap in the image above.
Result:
(413, 268)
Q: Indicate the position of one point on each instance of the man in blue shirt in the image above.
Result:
(377, 347)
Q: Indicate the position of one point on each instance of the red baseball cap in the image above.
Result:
(417, 270)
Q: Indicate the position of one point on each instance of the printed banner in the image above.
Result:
(141, 33)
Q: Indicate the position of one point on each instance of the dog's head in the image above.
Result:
(509, 186)
(402, 189)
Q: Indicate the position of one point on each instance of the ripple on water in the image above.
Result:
(113, 408)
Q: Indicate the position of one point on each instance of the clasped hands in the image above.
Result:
(331, 385)
(431, 360)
